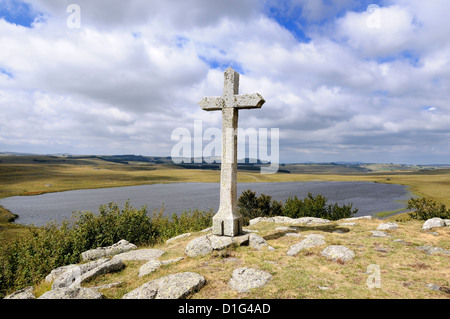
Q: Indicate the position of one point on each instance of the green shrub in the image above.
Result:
(29, 259)
(251, 206)
(316, 206)
(425, 208)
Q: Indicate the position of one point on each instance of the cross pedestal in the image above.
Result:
(228, 221)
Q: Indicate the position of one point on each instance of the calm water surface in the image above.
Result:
(368, 197)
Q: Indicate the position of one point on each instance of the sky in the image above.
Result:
(343, 80)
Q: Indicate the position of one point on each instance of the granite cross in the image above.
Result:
(228, 221)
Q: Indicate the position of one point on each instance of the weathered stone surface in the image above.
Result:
(378, 233)
(149, 267)
(119, 247)
(430, 250)
(432, 223)
(72, 293)
(369, 217)
(58, 271)
(25, 293)
(309, 242)
(288, 220)
(220, 242)
(387, 226)
(204, 245)
(175, 286)
(257, 242)
(347, 224)
(74, 276)
(199, 246)
(244, 279)
(140, 254)
(338, 253)
(168, 241)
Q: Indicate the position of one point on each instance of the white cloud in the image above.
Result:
(135, 71)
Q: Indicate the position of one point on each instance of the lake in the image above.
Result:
(368, 197)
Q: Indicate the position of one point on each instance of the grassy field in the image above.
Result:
(405, 270)
(32, 175)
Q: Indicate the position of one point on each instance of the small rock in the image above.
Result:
(347, 224)
(72, 293)
(244, 279)
(149, 267)
(220, 242)
(377, 233)
(286, 229)
(257, 242)
(25, 293)
(200, 246)
(140, 254)
(430, 250)
(109, 286)
(338, 253)
(387, 226)
(309, 242)
(357, 218)
(433, 222)
(293, 235)
(175, 286)
(433, 287)
(119, 247)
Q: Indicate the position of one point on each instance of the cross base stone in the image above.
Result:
(228, 226)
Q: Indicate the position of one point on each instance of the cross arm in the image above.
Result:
(249, 101)
(212, 103)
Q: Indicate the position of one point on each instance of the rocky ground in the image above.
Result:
(276, 257)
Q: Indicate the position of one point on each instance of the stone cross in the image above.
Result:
(228, 221)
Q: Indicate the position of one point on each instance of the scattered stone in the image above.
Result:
(339, 231)
(72, 293)
(433, 287)
(430, 250)
(309, 242)
(168, 241)
(447, 222)
(257, 242)
(149, 267)
(347, 224)
(323, 288)
(119, 247)
(288, 220)
(241, 240)
(293, 235)
(25, 293)
(357, 218)
(175, 286)
(140, 254)
(433, 222)
(58, 271)
(220, 242)
(199, 246)
(377, 233)
(387, 226)
(244, 279)
(74, 276)
(338, 253)
(170, 261)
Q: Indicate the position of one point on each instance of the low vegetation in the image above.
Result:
(251, 206)
(425, 208)
(30, 258)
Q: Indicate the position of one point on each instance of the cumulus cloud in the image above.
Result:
(135, 70)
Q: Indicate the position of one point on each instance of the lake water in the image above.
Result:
(368, 197)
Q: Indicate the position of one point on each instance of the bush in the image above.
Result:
(29, 259)
(251, 206)
(427, 208)
(316, 206)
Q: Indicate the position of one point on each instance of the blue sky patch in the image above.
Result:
(7, 73)
(17, 12)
